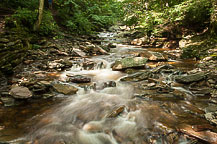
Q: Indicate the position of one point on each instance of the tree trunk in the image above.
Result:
(40, 14)
(213, 21)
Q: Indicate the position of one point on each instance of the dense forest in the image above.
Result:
(108, 71)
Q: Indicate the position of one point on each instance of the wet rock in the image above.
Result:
(140, 41)
(125, 63)
(139, 76)
(205, 135)
(116, 111)
(202, 127)
(20, 92)
(201, 91)
(151, 84)
(212, 117)
(214, 94)
(153, 56)
(211, 108)
(101, 51)
(90, 86)
(40, 87)
(49, 95)
(55, 65)
(78, 79)
(213, 100)
(88, 65)
(65, 88)
(109, 84)
(78, 52)
(163, 67)
(112, 45)
(45, 83)
(92, 49)
(131, 71)
(190, 78)
(8, 101)
(211, 81)
(166, 97)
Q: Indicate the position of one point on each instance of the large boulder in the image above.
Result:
(190, 78)
(65, 88)
(20, 92)
(133, 62)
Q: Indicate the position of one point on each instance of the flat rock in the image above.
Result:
(79, 79)
(190, 78)
(65, 88)
(20, 92)
(153, 56)
(139, 76)
(211, 116)
(78, 52)
(116, 111)
(133, 62)
(205, 135)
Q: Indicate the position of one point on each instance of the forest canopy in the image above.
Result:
(150, 16)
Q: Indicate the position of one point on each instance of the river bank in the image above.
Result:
(104, 89)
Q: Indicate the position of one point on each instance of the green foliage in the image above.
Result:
(151, 20)
(82, 16)
(191, 12)
(30, 4)
(24, 19)
(151, 15)
(48, 25)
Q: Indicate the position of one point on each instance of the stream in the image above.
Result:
(110, 110)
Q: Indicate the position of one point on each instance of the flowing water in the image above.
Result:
(104, 115)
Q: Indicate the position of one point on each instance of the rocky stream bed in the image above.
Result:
(104, 90)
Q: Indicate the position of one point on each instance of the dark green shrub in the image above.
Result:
(81, 16)
(191, 12)
(30, 4)
(23, 20)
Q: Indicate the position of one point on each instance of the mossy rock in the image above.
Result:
(130, 62)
